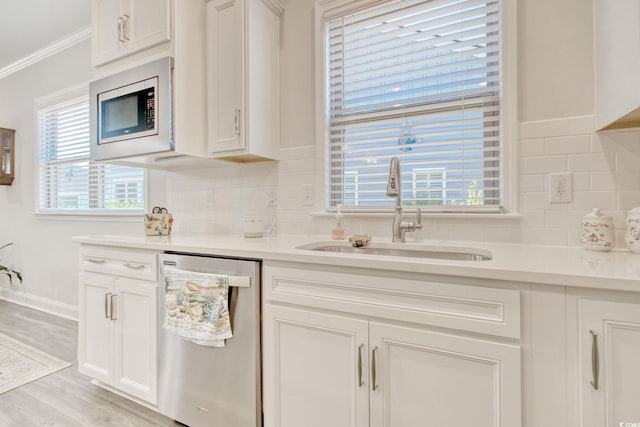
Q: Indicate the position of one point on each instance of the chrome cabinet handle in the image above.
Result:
(595, 359)
(120, 26)
(374, 386)
(112, 304)
(125, 27)
(106, 305)
(134, 266)
(237, 121)
(96, 261)
(360, 382)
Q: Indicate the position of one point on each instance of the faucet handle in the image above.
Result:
(418, 218)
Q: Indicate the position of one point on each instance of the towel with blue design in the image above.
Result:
(196, 306)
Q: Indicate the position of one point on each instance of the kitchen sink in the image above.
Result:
(403, 250)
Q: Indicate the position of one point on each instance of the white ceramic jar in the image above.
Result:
(633, 230)
(597, 231)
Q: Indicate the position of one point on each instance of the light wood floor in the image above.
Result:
(65, 398)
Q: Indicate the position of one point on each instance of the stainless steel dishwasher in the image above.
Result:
(207, 386)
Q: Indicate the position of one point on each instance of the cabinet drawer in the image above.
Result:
(479, 309)
(132, 263)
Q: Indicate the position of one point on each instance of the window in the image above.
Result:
(420, 80)
(69, 181)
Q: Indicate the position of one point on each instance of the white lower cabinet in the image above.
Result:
(425, 378)
(330, 370)
(117, 332)
(315, 369)
(609, 342)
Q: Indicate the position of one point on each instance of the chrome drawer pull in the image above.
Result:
(96, 261)
(237, 122)
(595, 359)
(106, 305)
(112, 304)
(360, 382)
(120, 25)
(125, 27)
(374, 386)
(134, 266)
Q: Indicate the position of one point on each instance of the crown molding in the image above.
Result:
(37, 56)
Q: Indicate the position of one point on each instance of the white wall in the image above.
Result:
(555, 110)
(555, 103)
(42, 248)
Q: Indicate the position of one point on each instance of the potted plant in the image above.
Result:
(4, 270)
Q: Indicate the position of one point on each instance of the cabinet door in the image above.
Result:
(225, 76)
(434, 379)
(146, 24)
(135, 367)
(95, 327)
(314, 369)
(106, 34)
(609, 368)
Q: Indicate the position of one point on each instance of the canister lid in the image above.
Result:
(595, 214)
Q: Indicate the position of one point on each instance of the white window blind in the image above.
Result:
(419, 80)
(69, 181)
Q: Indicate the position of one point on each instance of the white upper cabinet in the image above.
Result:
(617, 63)
(242, 79)
(125, 27)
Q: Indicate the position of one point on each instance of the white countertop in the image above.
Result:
(616, 270)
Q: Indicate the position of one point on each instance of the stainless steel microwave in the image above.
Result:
(131, 112)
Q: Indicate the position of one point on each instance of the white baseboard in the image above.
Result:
(50, 306)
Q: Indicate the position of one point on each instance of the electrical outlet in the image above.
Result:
(560, 187)
(209, 198)
(307, 195)
(272, 198)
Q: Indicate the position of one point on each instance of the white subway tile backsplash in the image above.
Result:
(581, 125)
(529, 183)
(568, 145)
(502, 234)
(582, 182)
(573, 236)
(532, 218)
(466, 232)
(622, 180)
(628, 199)
(545, 236)
(536, 201)
(605, 167)
(563, 219)
(591, 162)
(532, 147)
(627, 161)
(544, 164)
(544, 128)
(586, 200)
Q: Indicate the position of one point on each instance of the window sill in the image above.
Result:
(90, 216)
(438, 215)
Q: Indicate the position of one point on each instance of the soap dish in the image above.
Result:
(359, 240)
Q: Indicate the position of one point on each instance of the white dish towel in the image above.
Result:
(197, 306)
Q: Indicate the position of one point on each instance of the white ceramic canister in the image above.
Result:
(252, 225)
(633, 230)
(597, 231)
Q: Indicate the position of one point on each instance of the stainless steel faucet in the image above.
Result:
(394, 189)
